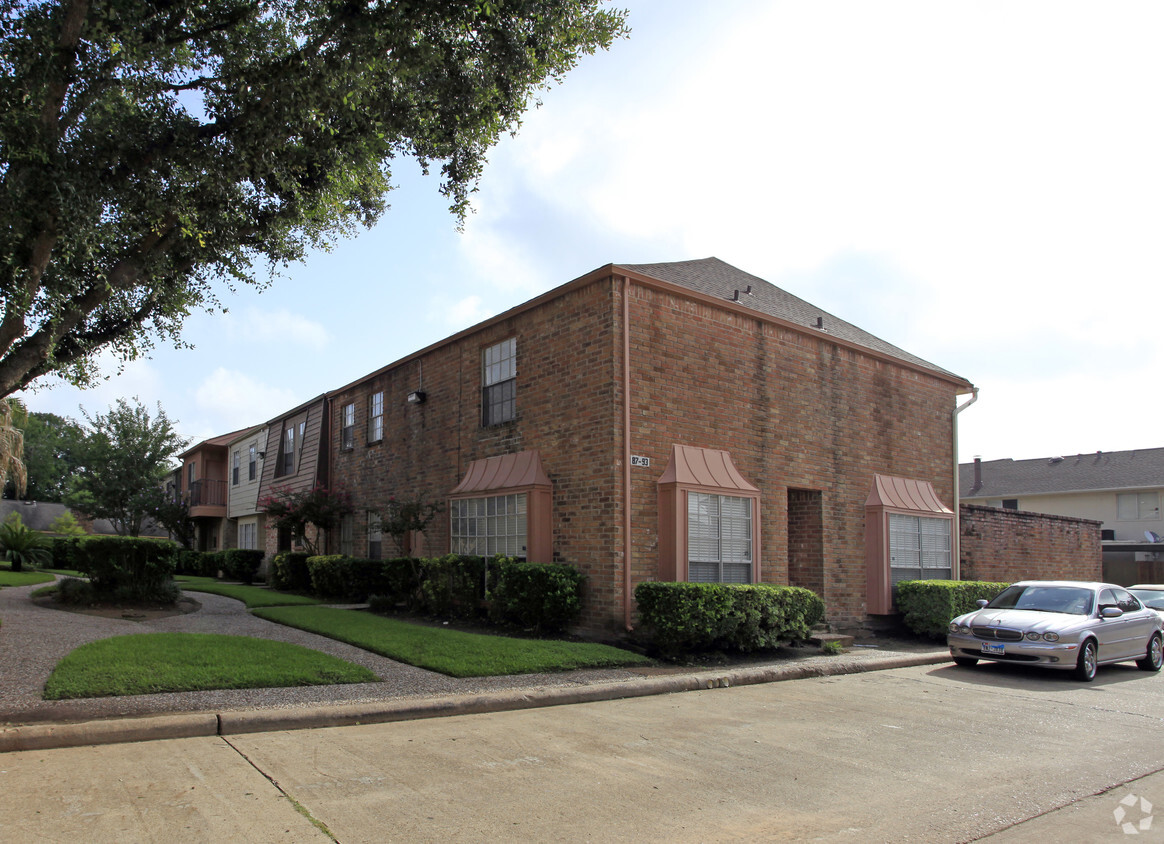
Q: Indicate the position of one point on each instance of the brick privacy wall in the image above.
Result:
(1010, 545)
(566, 410)
(795, 411)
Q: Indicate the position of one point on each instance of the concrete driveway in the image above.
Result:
(931, 753)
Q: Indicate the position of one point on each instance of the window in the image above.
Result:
(719, 538)
(234, 463)
(191, 475)
(1133, 506)
(1010, 504)
(499, 383)
(348, 426)
(919, 548)
(375, 535)
(347, 525)
(248, 535)
(488, 526)
(252, 459)
(288, 467)
(376, 417)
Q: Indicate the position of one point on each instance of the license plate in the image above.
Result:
(992, 648)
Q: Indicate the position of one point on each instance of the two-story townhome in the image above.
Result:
(202, 483)
(245, 477)
(1121, 489)
(293, 460)
(677, 421)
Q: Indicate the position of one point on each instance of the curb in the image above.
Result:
(238, 722)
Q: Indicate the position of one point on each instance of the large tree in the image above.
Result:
(153, 151)
(125, 459)
(51, 454)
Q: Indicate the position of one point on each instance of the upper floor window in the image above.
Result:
(252, 460)
(348, 426)
(499, 383)
(376, 417)
(1132, 506)
(191, 474)
(288, 455)
(234, 464)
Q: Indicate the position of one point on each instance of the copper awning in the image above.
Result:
(905, 494)
(509, 471)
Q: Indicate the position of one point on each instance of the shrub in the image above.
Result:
(354, 579)
(450, 586)
(928, 606)
(188, 562)
(211, 563)
(64, 552)
(66, 525)
(22, 545)
(128, 567)
(241, 563)
(680, 617)
(541, 596)
(289, 572)
(76, 593)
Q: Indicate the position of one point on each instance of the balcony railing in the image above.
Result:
(207, 494)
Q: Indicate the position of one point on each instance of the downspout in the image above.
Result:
(626, 456)
(957, 537)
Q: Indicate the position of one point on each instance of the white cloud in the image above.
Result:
(234, 400)
(256, 326)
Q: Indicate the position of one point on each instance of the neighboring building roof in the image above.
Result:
(1139, 469)
(716, 278)
(39, 515)
(221, 440)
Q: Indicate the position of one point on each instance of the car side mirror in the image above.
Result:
(981, 602)
(1111, 612)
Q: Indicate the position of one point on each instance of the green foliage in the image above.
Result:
(451, 652)
(293, 510)
(289, 572)
(158, 152)
(187, 562)
(126, 455)
(241, 563)
(75, 592)
(681, 617)
(63, 549)
(172, 512)
(126, 568)
(538, 596)
(51, 455)
(450, 586)
(23, 578)
(22, 546)
(832, 647)
(66, 524)
(928, 606)
(404, 516)
(152, 663)
(354, 580)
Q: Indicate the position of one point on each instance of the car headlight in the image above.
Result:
(1051, 637)
(964, 629)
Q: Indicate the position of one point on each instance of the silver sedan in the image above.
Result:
(1060, 624)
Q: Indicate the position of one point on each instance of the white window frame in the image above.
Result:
(348, 426)
(499, 383)
(376, 417)
(719, 538)
(490, 525)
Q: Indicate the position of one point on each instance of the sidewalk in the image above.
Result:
(33, 639)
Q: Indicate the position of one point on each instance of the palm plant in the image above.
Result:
(22, 545)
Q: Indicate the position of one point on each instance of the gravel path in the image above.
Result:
(34, 638)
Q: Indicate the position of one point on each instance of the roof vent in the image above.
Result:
(820, 323)
(748, 290)
(1054, 460)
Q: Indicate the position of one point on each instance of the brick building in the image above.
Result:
(664, 421)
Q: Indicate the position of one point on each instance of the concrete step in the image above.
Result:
(819, 639)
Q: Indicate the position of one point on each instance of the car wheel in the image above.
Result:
(965, 661)
(1154, 658)
(1088, 662)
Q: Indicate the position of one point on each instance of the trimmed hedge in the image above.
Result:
(64, 549)
(452, 586)
(541, 596)
(240, 563)
(680, 617)
(289, 572)
(928, 606)
(128, 567)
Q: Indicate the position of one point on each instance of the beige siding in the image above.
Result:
(244, 494)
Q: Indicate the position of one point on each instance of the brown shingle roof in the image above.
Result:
(721, 280)
(1139, 469)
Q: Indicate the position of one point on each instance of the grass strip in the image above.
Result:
(452, 652)
(252, 596)
(150, 663)
(23, 578)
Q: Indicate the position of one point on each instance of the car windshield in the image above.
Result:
(1153, 598)
(1069, 599)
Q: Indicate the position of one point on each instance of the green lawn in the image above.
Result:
(252, 596)
(22, 578)
(150, 663)
(451, 652)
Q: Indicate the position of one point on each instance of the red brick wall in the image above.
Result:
(796, 411)
(1010, 545)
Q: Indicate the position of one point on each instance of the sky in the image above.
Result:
(981, 184)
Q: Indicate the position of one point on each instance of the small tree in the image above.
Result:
(21, 544)
(66, 525)
(173, 513)
(405, 516)
(295, 510)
